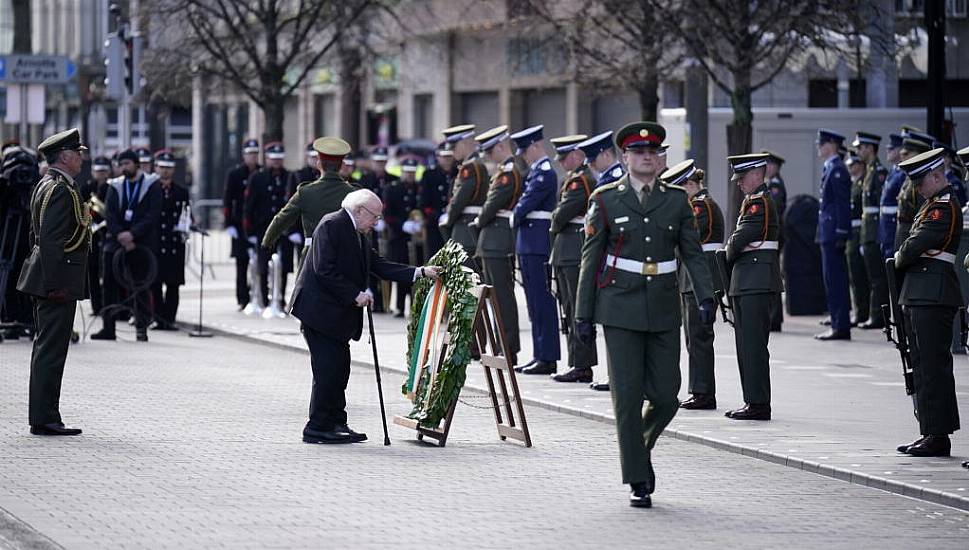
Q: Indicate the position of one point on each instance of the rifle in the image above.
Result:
(896, 330)
(723, 295)
(554, 290)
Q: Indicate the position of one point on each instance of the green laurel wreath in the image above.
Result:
(431, 404)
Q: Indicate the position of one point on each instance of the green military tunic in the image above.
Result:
(930, 295)
(857, 274)
(755, 275)
(467, 196)
(699, 336)
(872, 184)
(60, 243)
(628, 284)
(496, 243)
(909, 203)
(567, 232)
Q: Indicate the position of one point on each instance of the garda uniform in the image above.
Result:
(778, 192)
(233, 211)
(266, 194)
(929, 296)
(496, 238)
(871, 188)
(175, 222)
(55, 276)
(909, 200)
(699, 335)
(468, 193)
(857, 273)
(568, 233)
(834, 229)
(531, 220)
(628, 284)
(888, 205)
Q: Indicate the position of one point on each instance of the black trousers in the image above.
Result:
(935, 385)
(137, 301)
(699, 344)
(165, 302)
(94, 278)
(54, 324)
(242, 280)
(752, 333)
(330, 359)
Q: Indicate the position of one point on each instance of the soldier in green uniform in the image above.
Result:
(567, 232)
(55, 275)
(635, 228)
(699, 335)
(778, 191)
(871, 191)
(469, 190)
(857, 274)
(313, 200)
(496, 239)
(909, 200)
(754, 276)
(929, 297)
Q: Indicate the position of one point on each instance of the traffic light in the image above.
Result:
(114, 65)
(133, 65)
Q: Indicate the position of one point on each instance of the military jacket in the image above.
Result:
(834, 213)
(234, 196)
(496, 238)
(91, 189)
(399, 200)
(435, 188)
(754, 262)
(533, 213)
(909, 202)
(171, 236)
(611, 174)
(872, 185)
(59, 239)
(710, 226)
(470, 188)
(958, 186)
(266, 194)
(308, 205)
(568, 218)
(927, 256)
(618, 226)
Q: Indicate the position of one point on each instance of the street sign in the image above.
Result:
(36, 69)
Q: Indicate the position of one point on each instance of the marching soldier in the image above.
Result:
(567, 232)
(754, 276)
(909, 200)
(496, 238)
(834, 230)
(778, 192)
(315, 199)
(930, 295)
(55, 275)
(874, 180)
(435, 191)
(400, 199)
(531, 219)
(175, 222)
(888, 205)
(857, 273)
(601, 155)
(96, 191)
(265, 196)
(699, 335)
(469, 190)
(634, 229)
(233, 211)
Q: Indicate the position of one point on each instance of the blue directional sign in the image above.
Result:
(36, 69)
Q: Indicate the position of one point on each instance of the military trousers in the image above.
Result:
(699, 344)
(857, 278)
(465, 234)
(580, 355)
(54, 322)
(935, 385)
(752, 333)
(836, 285)
(500, 273)
(541, 308)
(642, 366)
(877, 281)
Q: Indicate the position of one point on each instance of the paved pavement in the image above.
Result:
(839, 407)
(194, 443)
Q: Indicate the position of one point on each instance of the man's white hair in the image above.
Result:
(361, 197)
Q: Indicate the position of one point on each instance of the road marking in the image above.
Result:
(845, 375)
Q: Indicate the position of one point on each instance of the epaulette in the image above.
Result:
(545, 166)
(756, 195)
(671, 186)
(616, 172)
(604, 188)
(508, 166)
(943, 198)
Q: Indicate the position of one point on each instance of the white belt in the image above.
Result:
(642, 268)
(889, 209)
(856, 223)
(504, 214)
(939, 255)
(761, 245)
(539, 215)
(870, 209)
(307, 242)
(471, 210)
(578, 219)
(712, 247)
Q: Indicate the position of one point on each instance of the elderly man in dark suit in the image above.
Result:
(329, 298)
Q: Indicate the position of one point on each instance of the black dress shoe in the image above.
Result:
(833, 335)
(700, 402)
(825, 322)
(871, 324)
(331, 436)
(104, 334)
(541, 367)
(56, 428)
(357, 437)
(931, 445)
(399, 315)
(750, 412)
(520, 368)
(142, 335)
(600, 386)
(575, 374)
(904, 448)
(639, 496)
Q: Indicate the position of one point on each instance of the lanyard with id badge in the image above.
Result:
(130, 196)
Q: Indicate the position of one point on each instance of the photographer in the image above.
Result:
(18, 175)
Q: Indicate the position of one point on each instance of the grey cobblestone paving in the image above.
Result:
(195, 444)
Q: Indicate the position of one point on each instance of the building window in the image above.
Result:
(534, 56)
(324, 115)
(823, 93)
(914, 92)
(916, 8)
(423, 105)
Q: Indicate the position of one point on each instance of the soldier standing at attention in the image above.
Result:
(872, 184)
(601, 157)
(171, 237)
(834, 230)
(857, 274)
(929, 297)
(399, 199)
(434, 191)
(634, 229)
(55, 275)
(468, 191)
(778, 192)
(699, 335)
(888, 205)
(97, 187)
(532, 219)
(909, 200)
(233, 211)
(951, 174)
(754, 276)
(496, 238)
(265, 196)
(568, 234)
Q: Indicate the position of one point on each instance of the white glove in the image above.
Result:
(442, 220)
(296, 238)
(380, 226)
(253, 240)
(233, 232)
(411, 227)
(511, 220)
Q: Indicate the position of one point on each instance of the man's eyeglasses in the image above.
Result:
(375, 216)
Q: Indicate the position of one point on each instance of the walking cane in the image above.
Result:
(376, 369)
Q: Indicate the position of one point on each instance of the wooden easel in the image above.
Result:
(505, 396)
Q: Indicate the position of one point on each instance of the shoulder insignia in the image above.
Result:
(573, 185)
(616, 172)
(465, 172)
(757, 195)
(546, 166)
(753, 208)
(697, 209)
(608, 187)
(503, 180)
(935, 214)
